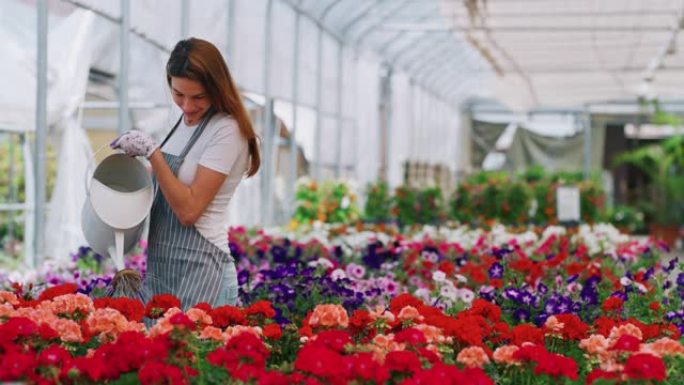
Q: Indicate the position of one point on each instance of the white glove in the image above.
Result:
(135, 143)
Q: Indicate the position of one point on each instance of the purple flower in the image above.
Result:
(495, 271)
(542, 288)
(511, 293)
(521, 315)
(680, 279)
(526, 298)
(572, 278)
(671, 264)
(243, 277)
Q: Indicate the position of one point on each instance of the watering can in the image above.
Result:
(119, 195)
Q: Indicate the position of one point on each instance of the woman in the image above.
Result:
(197, 168)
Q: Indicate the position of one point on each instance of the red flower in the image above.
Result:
(261, 307)
(644, 366)
(53, 355)
(486, 309)
(159, 373)
(56, 291)
(272, 332)
(159, 304)
(319, 361)
(612, 304)
(626, 343)
(333, 339)
(655, 306)
(599, 374)
(527, 333)
(402, 300)
(225, 316)
(402, 361)
(15, 366)
(476, 376)
(574, 328)
(556, 365)
(203, 306)
(411, 336)
(360, 319)
(367, 369)
(132, 309)
(183, 321)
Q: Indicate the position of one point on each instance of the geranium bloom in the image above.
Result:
(663, 347)
(472, 357)
(595, 344)
(643, 366)
(409, 313)
(329, 316)
(618, 331)
(8, 297)
(159, 304)
(504, 355)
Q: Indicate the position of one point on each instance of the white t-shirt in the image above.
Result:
(221, 148)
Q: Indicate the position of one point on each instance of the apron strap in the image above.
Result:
(195, 135)
(172, 131)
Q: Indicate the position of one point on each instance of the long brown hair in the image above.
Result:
(201, 61)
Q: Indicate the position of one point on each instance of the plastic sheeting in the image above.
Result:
(553, 153)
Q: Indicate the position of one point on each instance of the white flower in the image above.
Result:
(624, 281)
(448, 292)
(438, 276)
(460, 278)
(338, 274)
(466, 295)
(321, 262)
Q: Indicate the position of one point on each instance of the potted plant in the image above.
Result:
(663, 163)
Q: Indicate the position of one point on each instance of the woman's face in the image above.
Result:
(191, 97)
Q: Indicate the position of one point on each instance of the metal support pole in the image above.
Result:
(231, 30)
(123, 66)
(586, 123)
(11, 194)
(270, 139)
(185, 19)
(385, 108)
(294, 153)
(41, 132)
(338, 149)
(319, 108)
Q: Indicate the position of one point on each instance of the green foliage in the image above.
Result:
(412, 206)
(663, 163)
(378, 202)
(330, 202)
(529, 197)
(629, 219)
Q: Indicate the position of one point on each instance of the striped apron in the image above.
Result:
(180, 261)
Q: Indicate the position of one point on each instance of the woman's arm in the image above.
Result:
(187, 202)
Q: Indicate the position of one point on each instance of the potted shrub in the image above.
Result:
(663, 163)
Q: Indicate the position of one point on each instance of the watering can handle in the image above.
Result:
(90, 167)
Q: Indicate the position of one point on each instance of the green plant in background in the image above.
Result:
(592, 201)
(461, 206)
(307, 198)
(663, 163)
(13, 184)
(338, 203)
(378, 202)
(403, 207)
(430, 206)
(626, 218)
(516, 204)
(329, 202)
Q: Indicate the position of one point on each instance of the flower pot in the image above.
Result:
(665, 233)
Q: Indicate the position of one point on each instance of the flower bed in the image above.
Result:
(331, 305)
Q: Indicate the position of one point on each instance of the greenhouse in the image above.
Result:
(342, 192)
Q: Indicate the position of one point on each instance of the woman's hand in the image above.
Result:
(135, 143)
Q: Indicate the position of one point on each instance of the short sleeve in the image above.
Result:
(224, 147)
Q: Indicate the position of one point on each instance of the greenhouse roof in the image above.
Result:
(530, 53)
